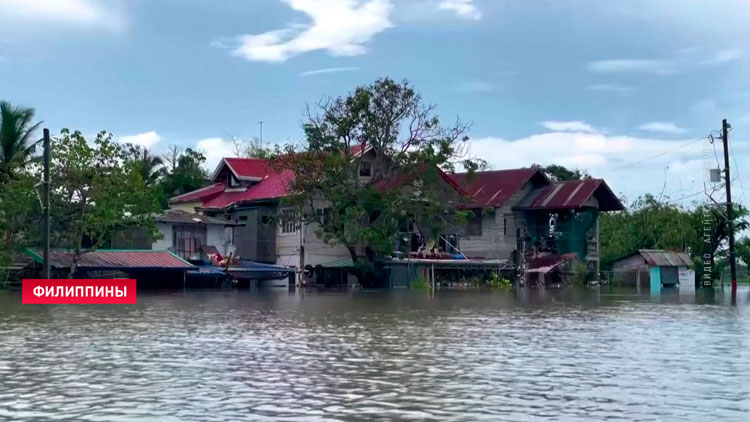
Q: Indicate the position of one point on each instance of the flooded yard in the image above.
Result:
(462, 355)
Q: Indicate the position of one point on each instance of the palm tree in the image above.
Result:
(148, 165)
(16, 144)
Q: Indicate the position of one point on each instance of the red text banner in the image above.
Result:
(66, 291)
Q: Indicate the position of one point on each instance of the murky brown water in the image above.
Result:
(562, 355)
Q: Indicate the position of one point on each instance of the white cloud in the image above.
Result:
(618, 159)
(83, 12)
(215, 149)
(340, 27)
(613, 88)
(462, 8)
(474, 87)
(147, 139)
(573, 126)
(659, 67)
(723, 56)
(667, 128)
(328, 70)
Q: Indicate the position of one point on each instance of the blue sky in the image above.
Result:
(590, 84)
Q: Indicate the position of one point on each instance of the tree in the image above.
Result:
(149, 166)
(649, 223)
(20, 216)
(16, 139)
(185, 174)
(410, 148)
(97, 192)
(560, 173)
(252, 149)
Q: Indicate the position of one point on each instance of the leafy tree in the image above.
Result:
(653, 224)
(560, 173)
(97, 192)
(16, 139)
(184, 172)
(20, 215)
(149, 166)
(409, 147)
(252, 149)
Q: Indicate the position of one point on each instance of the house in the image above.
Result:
(657, 268)
(523, 210)
(513, 210)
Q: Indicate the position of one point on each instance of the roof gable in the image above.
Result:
(574, 194)
(252, 169)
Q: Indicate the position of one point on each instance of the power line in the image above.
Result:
(656, 155)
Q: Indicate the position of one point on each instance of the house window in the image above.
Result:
(505, 226)
(365, 169)
(474, 225)
(323, 216)
(233, 182)
(288, 221)
(188, 239)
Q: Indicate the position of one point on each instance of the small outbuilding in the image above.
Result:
(658, 267)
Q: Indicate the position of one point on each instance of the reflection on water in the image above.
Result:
(270, 355)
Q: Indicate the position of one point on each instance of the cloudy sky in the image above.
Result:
(624, 89)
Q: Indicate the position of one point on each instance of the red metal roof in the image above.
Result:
(114, 259)
(546, 263)
(274, 186)
(493, 188)
(248, 167)
(200, 194)
(574, 194)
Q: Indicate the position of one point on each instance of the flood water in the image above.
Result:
(571, 354)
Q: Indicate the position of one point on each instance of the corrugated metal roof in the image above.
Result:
(575, 194)
(200, 194)
(248, 167)
(546, 263)
(494, 188)
(274, 186)
(114, 259)
(664, 258)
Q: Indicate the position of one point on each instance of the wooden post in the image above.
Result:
(433, 278)
(638, 281)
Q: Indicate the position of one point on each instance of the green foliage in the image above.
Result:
(17, 141)
(562, 174)
(498, 282)
(580, 273)
(96, 191)
(184, 172)
(419, 284)
(653, 224)
(408, 147)
(19, 217)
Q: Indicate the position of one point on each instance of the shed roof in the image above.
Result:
(665, 258)
(114, 259)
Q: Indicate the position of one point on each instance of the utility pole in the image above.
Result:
(261, 134)
(46, 205)
(730, 209)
